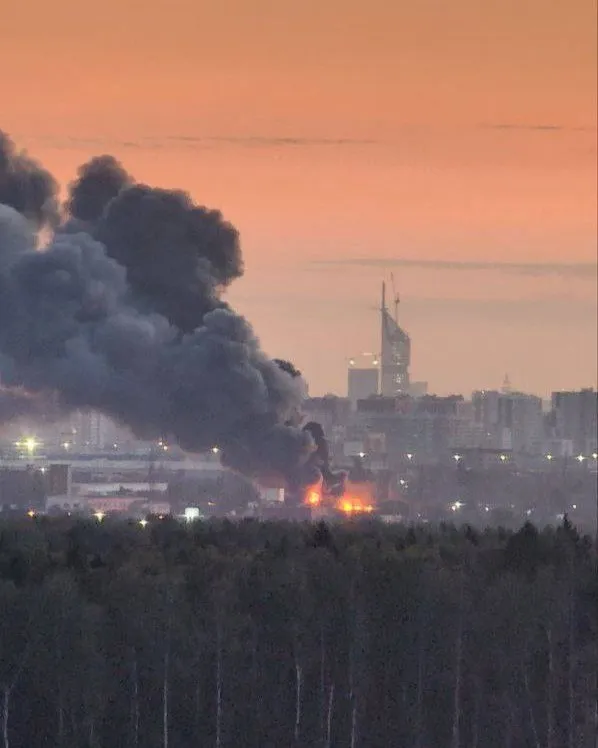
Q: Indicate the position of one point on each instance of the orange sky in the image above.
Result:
(343, 137)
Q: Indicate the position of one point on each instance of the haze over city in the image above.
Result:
(455, 147)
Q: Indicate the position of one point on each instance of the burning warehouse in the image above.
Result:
(316, 485)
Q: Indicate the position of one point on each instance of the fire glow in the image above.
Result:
(313, 498)
(351, 503)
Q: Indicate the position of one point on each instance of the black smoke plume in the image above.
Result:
(26, 186)
(288, 367)
(98, 182)
(127, 319)
(334, 483)
(178, 256)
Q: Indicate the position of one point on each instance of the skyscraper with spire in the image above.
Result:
(395, 351)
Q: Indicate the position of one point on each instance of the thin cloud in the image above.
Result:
(542, 127)
(261, 141)
(265, 142)
(583, 270)
(202, 142)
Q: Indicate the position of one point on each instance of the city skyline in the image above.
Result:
(345, 143)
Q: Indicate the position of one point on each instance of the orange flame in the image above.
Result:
(313, 498)
(353, 505)
(356, 500)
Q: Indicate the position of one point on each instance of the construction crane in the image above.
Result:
(396, 298)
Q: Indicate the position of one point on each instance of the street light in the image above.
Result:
(549, 457)
(29, 444)
(409, 456)
(457, 458)
(580, 458)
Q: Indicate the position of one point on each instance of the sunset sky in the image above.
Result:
(452, 143)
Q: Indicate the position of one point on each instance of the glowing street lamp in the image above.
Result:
(28, 445)
(143, 522)
(409, 456)
(503, 458)
(580, 458)
(549, 457)
(99, 516)
(457, 458)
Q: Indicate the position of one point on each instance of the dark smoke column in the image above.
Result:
(125, 317)
(178, 256)
(318, 464)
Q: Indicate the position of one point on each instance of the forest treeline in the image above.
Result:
(276, 635)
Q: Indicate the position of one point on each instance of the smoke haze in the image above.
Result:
(125, 317)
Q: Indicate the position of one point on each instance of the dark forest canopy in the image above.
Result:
(287, 635)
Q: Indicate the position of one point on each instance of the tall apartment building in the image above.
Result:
(362, 378)
(509, 420)
(575, 418)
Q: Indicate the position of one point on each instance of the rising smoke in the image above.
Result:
(178, 256)
(125, 317)
(26, 186)
(98, 182)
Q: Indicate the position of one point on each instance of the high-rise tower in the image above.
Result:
(395, 349)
